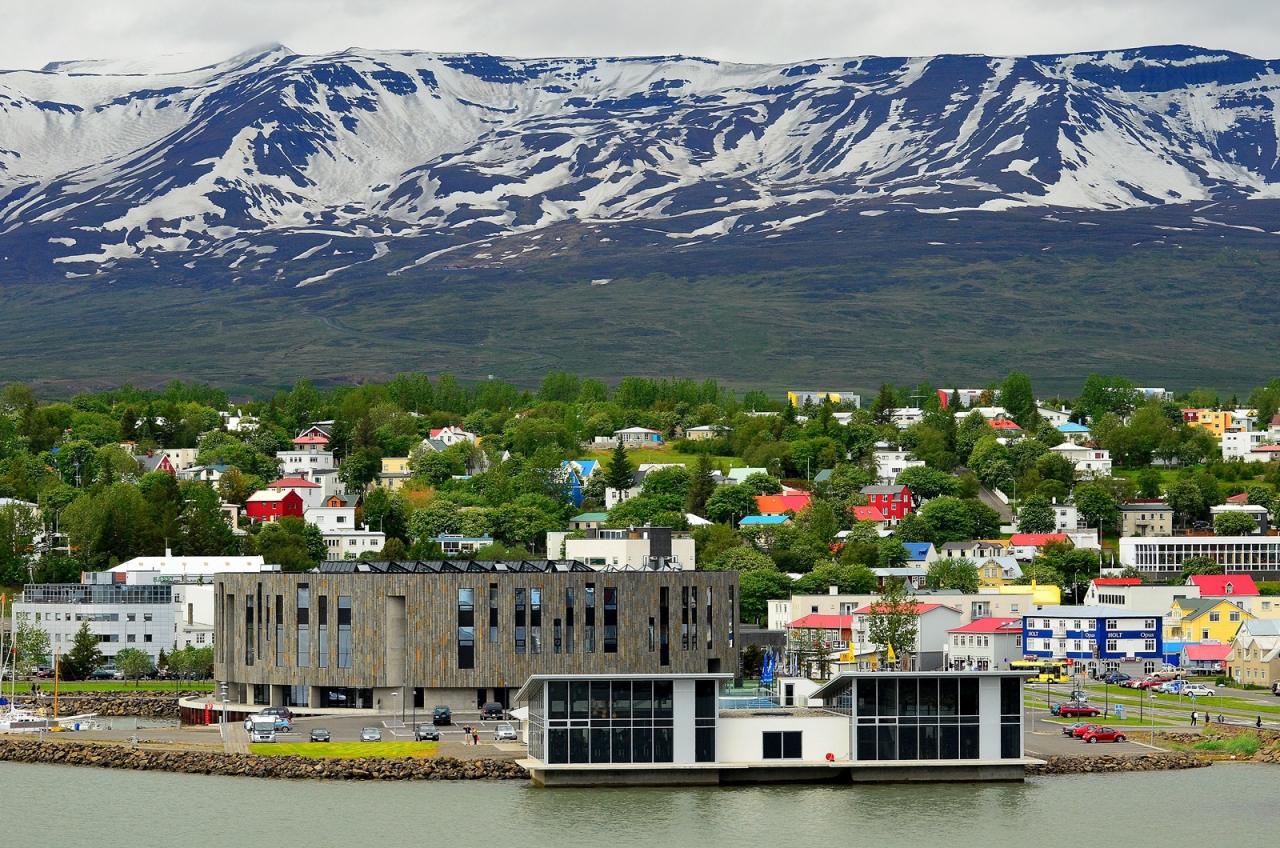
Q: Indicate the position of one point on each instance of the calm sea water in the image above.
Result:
(61, 805)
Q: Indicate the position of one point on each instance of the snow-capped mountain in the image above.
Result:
(100, 162)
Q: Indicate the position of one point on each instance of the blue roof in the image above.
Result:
(1072, 427)
(764, 519)
(917, 551)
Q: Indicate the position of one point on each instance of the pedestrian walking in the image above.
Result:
(1258, 723)
(475, 737)
(1193, 718)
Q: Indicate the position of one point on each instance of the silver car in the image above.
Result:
(370, 734)
(504, 733)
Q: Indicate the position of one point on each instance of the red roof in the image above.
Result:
(988, 625)
(919, 609)
(311, 440)
(1242, 498)
(778, 504)
(293, 483)
(1216, 653)
(1216, 585)
(866, 513)
(824, 622)
(1036, 540)
(1116, 581)
(1004, 424)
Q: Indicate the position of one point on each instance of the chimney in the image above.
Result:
(833, 590)
(168, 553)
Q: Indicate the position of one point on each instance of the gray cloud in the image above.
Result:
(733, 30)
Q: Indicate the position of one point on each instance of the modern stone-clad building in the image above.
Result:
(392, 635)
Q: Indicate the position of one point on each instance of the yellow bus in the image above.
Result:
(1045, 671)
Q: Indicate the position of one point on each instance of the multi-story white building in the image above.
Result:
(985, 644)
(1089, 462)
(891, 463)
(1162, 556)
(1132, 594)
(335, 517)
(626, 549)
(1240, 443)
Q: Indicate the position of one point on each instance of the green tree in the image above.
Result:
(851, 579)
(84, 657)
(756, 588)
(1192, 566)
(762, 484)
(619, 471)
(701, 487)
(926, 483)
(890, 553)
(1036, 515)
(386, 511)
(30, 645)
(292, 543)
(1186, 500)
(1018, 399)
(134, 664)
(667, 481)
(1234, 524)
(893, 623)
(711, 540)
(19, 526)
(953, 573)
(886, 403)
(1150, 483)
(1041, 573)
(1097, 505)
(742, 559)
(731, 503)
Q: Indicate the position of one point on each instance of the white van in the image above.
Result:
(262, 728)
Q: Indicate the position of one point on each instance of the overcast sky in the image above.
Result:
(41, 31)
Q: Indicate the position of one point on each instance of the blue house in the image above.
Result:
(764, 521)
(1100, 638)
(575, 473)
(920, 553)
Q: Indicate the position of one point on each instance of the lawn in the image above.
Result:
(643, 455)
(345, 750)
(123, 686)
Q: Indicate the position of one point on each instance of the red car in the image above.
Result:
(1078, 711)
(1084, 730)
(1104, 734)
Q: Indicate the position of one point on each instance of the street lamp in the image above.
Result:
(394, 704)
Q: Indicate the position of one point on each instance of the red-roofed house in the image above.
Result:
(1005, 425)
(312, 494)
(933, 622)
(1026, 546)
(837, 629)
(1116, 581)
(1205, 656)
(1224, 585)
(985, 644)
(868, 513)
(894, 501)
(782, 504)
(274, 504)
(1242, 498)
(453, 435)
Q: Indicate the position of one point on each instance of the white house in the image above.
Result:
(452, 436)
(907, 416)
(1088, 462)
(984, 644)
(638, 437)
(1055, 417)
(1240, 444)
(891, 463)
(310, 454)
(626, 549)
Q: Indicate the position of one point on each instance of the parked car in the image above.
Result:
(1104, 734)
(504, 733)
(106, 674)
(1116, 677)
(1076, 710)
(1080, 731)
(280, 711)
(1199, 690)
(44, 672)
(1275, 688)
(1149, 683)
(1070, 729)
(319, 734)
(442, 715)
(370, 734)
(492, 711)
(1170, 687)
(426, 733)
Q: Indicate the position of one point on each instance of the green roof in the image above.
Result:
(591, 516)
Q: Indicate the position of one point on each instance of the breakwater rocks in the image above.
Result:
(1164, 761)
(146, 704)
(248, 765)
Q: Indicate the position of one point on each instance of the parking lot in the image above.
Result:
(346, 728)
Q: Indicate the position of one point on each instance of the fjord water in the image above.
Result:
(106, 808)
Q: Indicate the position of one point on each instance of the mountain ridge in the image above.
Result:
(215, 162)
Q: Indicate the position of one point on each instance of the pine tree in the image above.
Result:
(84, 657)
(700, 487)
(618, 474)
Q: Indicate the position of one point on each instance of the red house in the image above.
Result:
(894, 502)
(1224, 585)
(273, 504)
(782, 504)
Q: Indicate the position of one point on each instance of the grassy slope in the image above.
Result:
(826, 306)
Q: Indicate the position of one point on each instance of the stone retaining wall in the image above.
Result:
(248, 765)
(1164, 761)
(146, 704)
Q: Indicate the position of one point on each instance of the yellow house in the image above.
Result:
(1216, 421)
(1204, 620)
(1255, 654)
(994, 572)
(395, 471)
(1042, 594)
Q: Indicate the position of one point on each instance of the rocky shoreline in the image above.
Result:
(247, 765)
(145, 704)
(1106, 763)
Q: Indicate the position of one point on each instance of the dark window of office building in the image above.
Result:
(705, 708)
(611, 619)
(279, 629)
(664, 625)
(909, 718)
(248, 630)
(344, 631)
(731, 616)
(707, 625)
(520, 621)
(693, 617)
(589, 635)
(322, 631)
(466, 628)
(493, 613)
(568, 620)
(781, 745)
(304, 625)
(557, 636)
(684, 618)
(1010, 718)
(535, 620)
